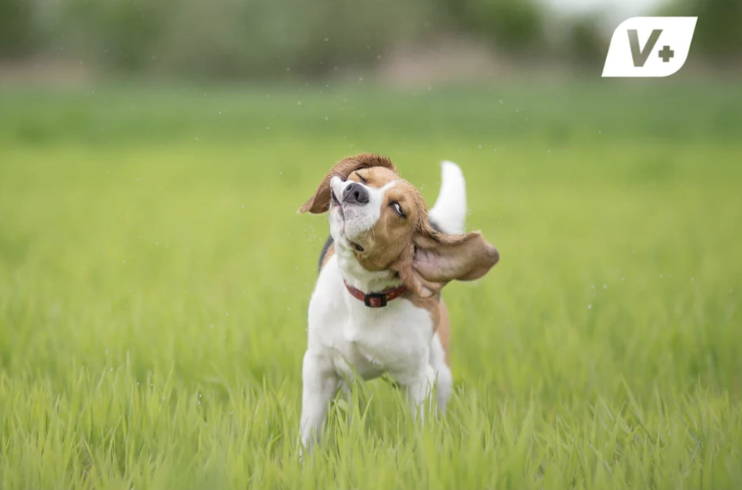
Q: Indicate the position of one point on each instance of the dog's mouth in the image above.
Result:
(336, 202)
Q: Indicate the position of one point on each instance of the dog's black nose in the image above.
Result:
(355, 194)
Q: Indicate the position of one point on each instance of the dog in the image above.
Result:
(377, 307)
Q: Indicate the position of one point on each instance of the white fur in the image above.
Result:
(449, 211)
(347, 338)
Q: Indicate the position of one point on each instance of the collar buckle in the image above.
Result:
(375, 300)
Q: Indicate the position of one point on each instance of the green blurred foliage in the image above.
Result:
(258, 38)
(585, 43)
(16, 28)
(719, 29)
(120, 33)
(240, 38)
(510, 25)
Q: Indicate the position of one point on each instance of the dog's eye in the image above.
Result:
(363, 181)
(397, 208)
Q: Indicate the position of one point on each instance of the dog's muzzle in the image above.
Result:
(355, 193)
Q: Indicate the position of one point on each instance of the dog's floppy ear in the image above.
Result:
(437, 258)
(320, 201)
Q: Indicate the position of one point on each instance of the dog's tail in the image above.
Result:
(449, 211)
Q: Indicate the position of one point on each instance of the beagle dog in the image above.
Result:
(377, 307)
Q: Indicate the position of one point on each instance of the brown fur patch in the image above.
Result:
(438, 314)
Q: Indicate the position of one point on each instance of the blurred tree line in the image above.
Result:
(719, 29)
(273, 39)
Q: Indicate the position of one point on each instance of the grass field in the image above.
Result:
(154, 277)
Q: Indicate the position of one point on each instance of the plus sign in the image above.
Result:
(665, 53)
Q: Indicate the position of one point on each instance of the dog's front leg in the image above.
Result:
(320, 383)
(419, 389)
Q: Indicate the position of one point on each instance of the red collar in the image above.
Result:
(375, 300)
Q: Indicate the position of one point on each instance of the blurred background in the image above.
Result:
(154, 273)
(413, 42)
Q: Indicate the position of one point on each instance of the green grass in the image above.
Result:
(154, 277)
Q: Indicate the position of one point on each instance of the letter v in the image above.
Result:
(640, 56)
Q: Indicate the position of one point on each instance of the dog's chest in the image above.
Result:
(394, 341)
(368, 341)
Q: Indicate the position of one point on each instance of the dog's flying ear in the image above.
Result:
(437, 258)
(320, 201)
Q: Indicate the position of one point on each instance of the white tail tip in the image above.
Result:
(449, 211)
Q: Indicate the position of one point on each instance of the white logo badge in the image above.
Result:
(649, 46)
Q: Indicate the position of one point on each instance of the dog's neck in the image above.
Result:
(361, 278)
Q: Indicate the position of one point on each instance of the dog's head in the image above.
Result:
(383, 219)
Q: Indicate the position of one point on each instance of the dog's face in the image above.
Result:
(382, 218)
(375, 212)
